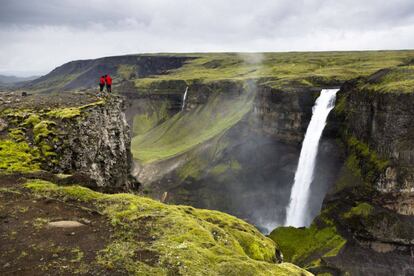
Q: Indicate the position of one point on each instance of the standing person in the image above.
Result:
(101, 83)
(108, 81)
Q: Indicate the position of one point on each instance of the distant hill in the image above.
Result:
(82, 74)
(13, 79)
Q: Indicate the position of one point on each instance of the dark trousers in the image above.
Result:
(101, 87)
(108, 88)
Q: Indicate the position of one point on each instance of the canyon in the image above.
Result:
(234, 146)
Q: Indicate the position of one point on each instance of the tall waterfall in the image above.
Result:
(184, 98)
(297, 213)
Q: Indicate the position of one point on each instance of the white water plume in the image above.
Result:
(184, 98)
(297, 214)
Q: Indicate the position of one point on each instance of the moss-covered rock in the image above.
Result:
(306, 246)
(81, 135)
(187, 241)
(18, 157)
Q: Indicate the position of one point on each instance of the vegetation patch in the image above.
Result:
(280, 70)
(396, 79)
(42, 130)
(18, 156)
(364, 161)
(185, 240)
(65, 113)
(305, 246)
(361, 210)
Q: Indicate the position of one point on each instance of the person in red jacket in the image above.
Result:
(101, 83)
(108, 81)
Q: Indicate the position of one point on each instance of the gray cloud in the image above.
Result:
(41, 34)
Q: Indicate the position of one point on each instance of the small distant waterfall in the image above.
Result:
(184, 98)
(296, 213)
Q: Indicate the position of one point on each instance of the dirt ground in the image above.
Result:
(28, 246)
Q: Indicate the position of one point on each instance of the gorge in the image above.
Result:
(232, 142)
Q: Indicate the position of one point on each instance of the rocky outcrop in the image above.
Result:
(98, 145)
(70, 134)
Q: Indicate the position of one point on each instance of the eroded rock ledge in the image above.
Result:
(66, 134)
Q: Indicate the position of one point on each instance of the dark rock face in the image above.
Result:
(371, 206)
(285, 115)
(99, 145)
(384, 122)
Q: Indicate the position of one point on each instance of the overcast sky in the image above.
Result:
(38, 35)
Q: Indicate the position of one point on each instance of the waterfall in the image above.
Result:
(184, 98)
(296, 212)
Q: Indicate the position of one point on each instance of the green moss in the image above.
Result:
(17, 134)
(71, 112)
(185, 240)
(32, 120)
(362, 210)
(18, 156)
(364, 161)
(65, 113)
(305, 246)
(41, 130)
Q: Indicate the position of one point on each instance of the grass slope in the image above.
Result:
(185, 130)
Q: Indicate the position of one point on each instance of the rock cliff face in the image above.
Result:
(284, 115)
(98, 145)
(366, 226)
(73, 134)
(383, 121)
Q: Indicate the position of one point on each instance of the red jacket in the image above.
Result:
(108, 80)
(102, 80)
